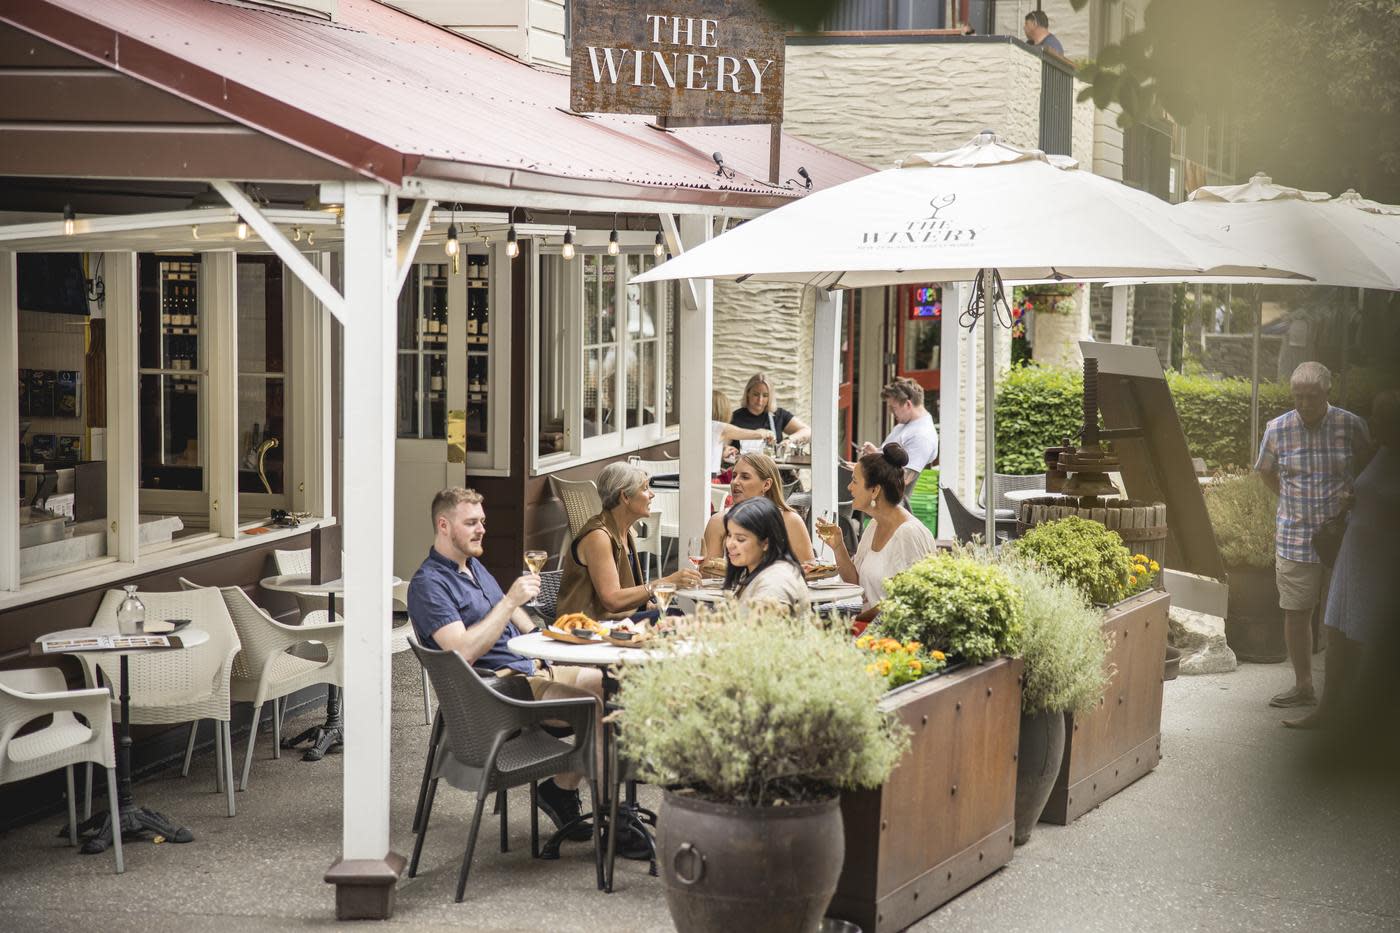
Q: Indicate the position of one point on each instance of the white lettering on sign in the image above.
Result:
(696, 72)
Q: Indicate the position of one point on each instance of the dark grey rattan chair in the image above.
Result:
(967, 523)
(490, 742)
(547, 603)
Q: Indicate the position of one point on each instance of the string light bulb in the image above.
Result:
(452, 246)
(568, 251)
(296, 234)
(311, 238)
(194, 231)
(512, 243)
(658, 249)
(614, 247)
(241, 231)
(69, 220)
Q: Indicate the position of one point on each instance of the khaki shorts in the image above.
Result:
(1300, 584)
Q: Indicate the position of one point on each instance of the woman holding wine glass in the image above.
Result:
(602, 573)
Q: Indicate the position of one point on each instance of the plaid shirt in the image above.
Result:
(1315, 467)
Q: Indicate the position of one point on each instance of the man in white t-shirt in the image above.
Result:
(913, 427)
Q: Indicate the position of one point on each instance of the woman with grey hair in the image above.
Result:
(602, 575)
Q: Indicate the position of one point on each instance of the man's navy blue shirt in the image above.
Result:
(440, 594)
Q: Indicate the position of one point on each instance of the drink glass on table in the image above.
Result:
(663, 592)
(535, 560)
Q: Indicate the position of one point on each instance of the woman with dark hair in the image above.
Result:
(761, 565)
(892, 541)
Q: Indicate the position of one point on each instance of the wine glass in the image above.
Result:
(663, 592)
(535, 560)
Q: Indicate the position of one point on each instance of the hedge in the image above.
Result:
(1038, 407)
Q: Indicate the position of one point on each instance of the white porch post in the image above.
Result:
(123, 418)
(1119, 329)
(218, 298)
(826, 373)
(9, 425)
(989, 417)
(367, 871)
(697, 314)
(949, 400)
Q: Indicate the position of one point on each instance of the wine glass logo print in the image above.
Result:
(939, 202)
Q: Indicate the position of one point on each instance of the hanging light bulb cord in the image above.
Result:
(975, 309)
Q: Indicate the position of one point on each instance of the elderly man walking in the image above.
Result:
(1310, 456)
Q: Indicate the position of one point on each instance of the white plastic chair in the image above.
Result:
(647, 533)
(719, 492)
(265, 669)
(177, 686)
(33, 693)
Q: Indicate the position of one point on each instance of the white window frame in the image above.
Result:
(621, 440)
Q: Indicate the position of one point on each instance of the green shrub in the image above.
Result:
(1083, 553)
(1062, 642)
(1214, 416)
(1243, 513)
(1037, 407)
(765, 709)
(955, 604)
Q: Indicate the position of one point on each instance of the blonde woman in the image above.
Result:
(722, 433)
(756, 476)
(758, 413)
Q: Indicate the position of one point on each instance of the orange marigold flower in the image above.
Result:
(939, 656)
(1132, 581)
(916, 666)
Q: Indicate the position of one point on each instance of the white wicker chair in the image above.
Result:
(33, 693)
(265, 670)
(177, 686)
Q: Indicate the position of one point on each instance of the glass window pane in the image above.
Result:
(408, 311)
(262, 435)
(550, 368)
(921, 345)
(260, 324)
(435, 392)
(592, 403)
(641, 383)
(408, 395)
(591, 286)
(607, 300)
(634, 296)
(670, 299)
(170, 453)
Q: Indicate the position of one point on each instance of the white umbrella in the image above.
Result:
(985, 207)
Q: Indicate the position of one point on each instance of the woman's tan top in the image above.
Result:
(576, 592)
(781, 584)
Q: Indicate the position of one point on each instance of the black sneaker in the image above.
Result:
(633, 843)
(563, 806)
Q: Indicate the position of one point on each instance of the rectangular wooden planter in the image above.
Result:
(943, 821)
(1120, 740)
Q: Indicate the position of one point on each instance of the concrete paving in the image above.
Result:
(1233, 831)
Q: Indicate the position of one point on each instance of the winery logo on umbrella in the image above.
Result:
(935, 229)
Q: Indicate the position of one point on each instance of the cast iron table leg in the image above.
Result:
(133, 821)
(329, 735)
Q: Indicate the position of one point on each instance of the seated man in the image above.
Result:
(456, 605)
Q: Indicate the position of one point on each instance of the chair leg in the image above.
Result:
(427, 699)
(420, 827)
(471, 843)
(278, 705)
(534, 819)
(252, 741)
(87, 794)
(72, 809)
(116, 817)
(433, 739)
(189, 749)
(218, 758)
(228, 765)
(597, 832)
(501, 802)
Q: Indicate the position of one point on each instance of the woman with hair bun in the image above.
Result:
(892, 541)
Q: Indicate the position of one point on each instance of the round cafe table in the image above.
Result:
(604, 656)
(133, 820)
(330, 734)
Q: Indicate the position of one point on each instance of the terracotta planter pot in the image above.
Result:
(1040, 751)
(943, 821)
(726, 867)
(1253, 620)
(1120, 740)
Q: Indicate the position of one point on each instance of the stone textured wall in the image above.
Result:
(1152, 320)
(1085, 122)
(1108, 143)
(764, 327)
(1232, 355)
(877, 103)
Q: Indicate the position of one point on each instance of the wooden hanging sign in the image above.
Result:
(703, 61)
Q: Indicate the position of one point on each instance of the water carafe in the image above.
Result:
(131, 614)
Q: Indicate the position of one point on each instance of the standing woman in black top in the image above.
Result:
(758, 413)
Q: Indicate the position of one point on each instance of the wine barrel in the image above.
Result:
(1141, 525)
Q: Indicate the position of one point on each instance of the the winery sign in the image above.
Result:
(714, 61)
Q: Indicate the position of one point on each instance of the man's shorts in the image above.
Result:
(1300, 584)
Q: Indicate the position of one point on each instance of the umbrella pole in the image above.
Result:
(1254, 375)
(989, 383)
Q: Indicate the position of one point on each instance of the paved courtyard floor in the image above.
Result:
(1233, 831)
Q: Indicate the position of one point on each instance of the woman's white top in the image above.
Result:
(780, 583)
(716, 445)
(910, 542)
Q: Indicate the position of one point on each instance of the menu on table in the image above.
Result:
(105, 642)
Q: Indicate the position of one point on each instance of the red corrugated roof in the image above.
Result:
(391, 96)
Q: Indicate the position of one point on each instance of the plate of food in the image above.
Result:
(627, 634)
(575, 628)
(816, 570)
(714, 568)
